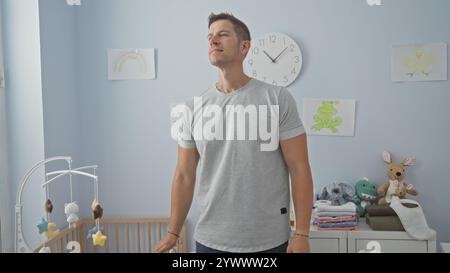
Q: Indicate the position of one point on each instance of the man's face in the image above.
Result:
(224, 46)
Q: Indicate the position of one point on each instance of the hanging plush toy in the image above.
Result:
(97, 210)
(94, 204)
(42, 226)
(50, 233)
(71, 210)
(98, 239)
(92, 231)
(45, 228)
(48, 206)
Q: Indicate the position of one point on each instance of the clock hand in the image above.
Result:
(276, 58)
(269, 56)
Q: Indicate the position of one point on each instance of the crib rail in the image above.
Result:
(125, 235)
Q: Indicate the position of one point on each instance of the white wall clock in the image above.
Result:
(274, 58)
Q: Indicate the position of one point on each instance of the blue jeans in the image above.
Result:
(199, 248)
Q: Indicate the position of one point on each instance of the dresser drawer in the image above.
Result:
(324, 245)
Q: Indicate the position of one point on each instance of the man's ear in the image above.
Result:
(245, 47)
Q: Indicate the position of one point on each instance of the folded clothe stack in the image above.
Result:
(329, 217)
(383, 217)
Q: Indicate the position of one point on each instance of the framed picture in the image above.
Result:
(419, 62)
(131, 64)
(331, 117)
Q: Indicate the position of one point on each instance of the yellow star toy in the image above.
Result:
(99, 239)
(50, 233)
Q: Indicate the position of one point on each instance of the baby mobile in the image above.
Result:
(47, 228)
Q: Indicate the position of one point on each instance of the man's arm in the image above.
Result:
(181, 197)
(295, 153)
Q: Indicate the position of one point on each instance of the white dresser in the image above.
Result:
(331, 241)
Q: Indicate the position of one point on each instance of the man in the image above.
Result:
(244, 191)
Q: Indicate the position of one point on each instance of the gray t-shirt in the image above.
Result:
(243, 190)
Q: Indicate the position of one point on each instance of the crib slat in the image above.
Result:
(159, 232)
(149, 237)
(94, 248)
(61, 243)
(116, 229)
(127, 231)
(81, 237)
(106, 243)
(77, 238)
(138, 238)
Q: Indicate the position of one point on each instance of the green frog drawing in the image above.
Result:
(324, 117)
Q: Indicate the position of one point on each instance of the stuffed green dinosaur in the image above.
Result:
(366, 194)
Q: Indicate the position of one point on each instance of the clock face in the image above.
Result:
(274, 58)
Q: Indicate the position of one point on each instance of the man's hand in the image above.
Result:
(181, 197)
(298, 244)
(165, 244)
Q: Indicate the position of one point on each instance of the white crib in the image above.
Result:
(124, 235)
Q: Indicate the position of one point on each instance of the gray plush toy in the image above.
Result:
(339, 193)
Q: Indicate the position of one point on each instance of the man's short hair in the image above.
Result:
(239, 27)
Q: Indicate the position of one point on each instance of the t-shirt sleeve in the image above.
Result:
(187, 144)
(290, 123)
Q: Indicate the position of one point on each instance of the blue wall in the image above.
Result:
(59, 79)
(124, 126)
